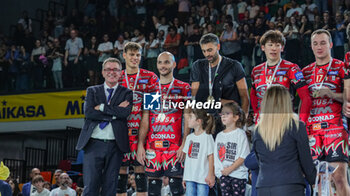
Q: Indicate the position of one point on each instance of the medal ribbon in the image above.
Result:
(269, 82)
(167, 94)
(211, 84)
(320, 86)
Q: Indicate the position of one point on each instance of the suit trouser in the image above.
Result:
(102, 161)
(285, 190)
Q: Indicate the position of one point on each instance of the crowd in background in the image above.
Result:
(70, 48)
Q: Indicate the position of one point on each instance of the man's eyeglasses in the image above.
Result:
(225, 113)
(114, 70)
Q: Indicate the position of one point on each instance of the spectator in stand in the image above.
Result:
(253, 9)
(55, 55)
(73, 18)
(91, 61)
(279, 14)
(291, 33)
(193, 48)
(308, 9)
(38, 65)
(162, 25)
(161, 40)
(242, 7)
(247, 43)
(4, 64)
(230, 46)
(210, 28)
(305, 33)
(322, 5)
(47, 185)
(14, 187)
(64, 188)
(57, 174)
(72, 61)
(189, 27)
(327, 23)
(105, 50)
(139, 37)
(28, 188)
(59, 22)
(118, 47)
(339, 37)
(38, 183)
(317, 24)
(229, 9)
(214, 14)
(172, 42)
(12, 56)
(25, 21)
(179, 27)
(295, 10)
(183, 10)
(23, 62)
(152, 51)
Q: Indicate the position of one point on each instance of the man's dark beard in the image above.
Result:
(215, 57)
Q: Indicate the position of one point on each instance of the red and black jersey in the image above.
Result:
(288, 75)
(326, 113)
(347, 60)
(147, 82)
(171, 128)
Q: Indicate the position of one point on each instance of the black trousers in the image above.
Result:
(285, 190)
(102, 161)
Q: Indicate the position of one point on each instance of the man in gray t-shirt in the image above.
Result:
(72, 69)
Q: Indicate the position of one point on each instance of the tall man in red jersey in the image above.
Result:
(277, 71)
(327, 135)
(139, 81)
(164, 139)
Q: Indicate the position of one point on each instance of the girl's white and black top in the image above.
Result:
(228, 148)
(197, 149)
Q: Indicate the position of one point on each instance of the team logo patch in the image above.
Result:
(221, 151)
(333, 73)
(312, 141)
(176, 91)
(281, 73)
(316, 126)
(299, 75)
(143, 81)
(150, 154)
(133, 132)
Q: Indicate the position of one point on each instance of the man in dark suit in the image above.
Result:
(104, 136)
(28, 187)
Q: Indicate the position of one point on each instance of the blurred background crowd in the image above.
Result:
(71, 44)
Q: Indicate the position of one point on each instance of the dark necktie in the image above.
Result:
(103, 124)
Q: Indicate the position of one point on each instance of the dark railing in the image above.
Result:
(55, 152)
(35, 158)
(17, 168)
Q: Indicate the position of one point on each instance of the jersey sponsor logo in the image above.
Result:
(312, 141)
(136, 108)
(193, 150)
(133, 124)
(161, 144)
(161, 128)
(299, 75)
(318, 102)
(150, 154)
(333, 73)
(175, 91)
(281, 73)
(321, 110)
(133, 132)
(134, 117)
(143, 81)
(167, 119)
(137, 97)
(163, 136)
(335, 135)
(321, 118)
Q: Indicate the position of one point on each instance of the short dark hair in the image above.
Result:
(38, 178)
(111, 60)
(320, 31)
(131, 46)
(209, 38)
(275, 36)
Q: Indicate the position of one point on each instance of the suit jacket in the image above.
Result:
(26, 189)
(95, 95)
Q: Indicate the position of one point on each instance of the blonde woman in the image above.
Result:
(282, 147)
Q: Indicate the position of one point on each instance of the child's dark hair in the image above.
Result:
(236, 110)
(208, 121)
